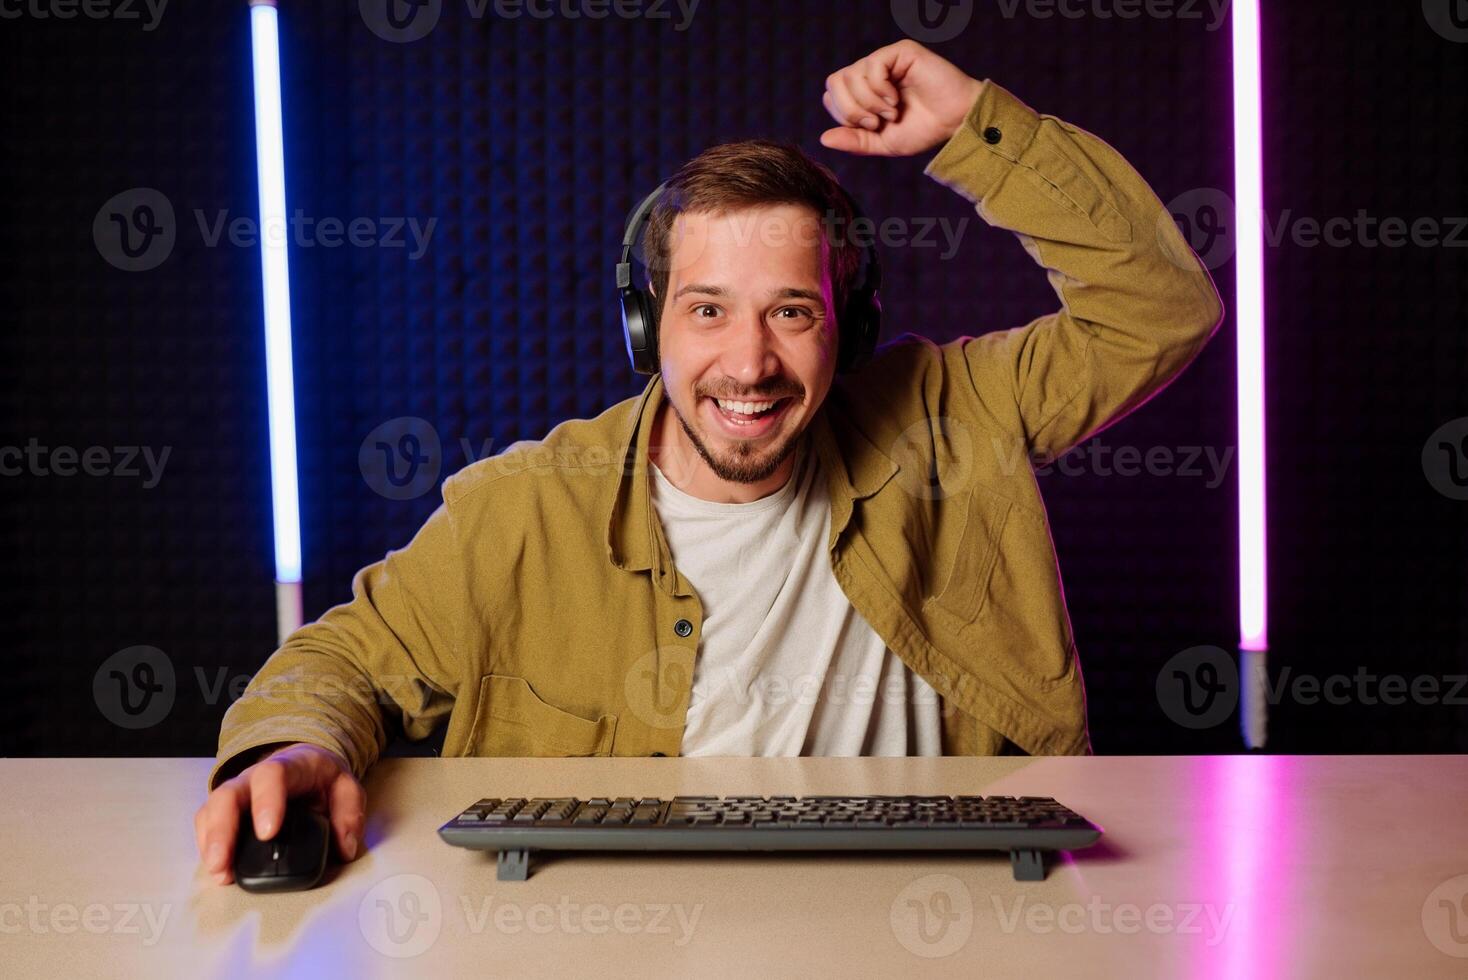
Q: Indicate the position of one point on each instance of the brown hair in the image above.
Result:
(754, 173)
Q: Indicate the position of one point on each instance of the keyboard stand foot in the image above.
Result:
(514, 865)
(1028, 864)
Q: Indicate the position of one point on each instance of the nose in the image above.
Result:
(750, 357)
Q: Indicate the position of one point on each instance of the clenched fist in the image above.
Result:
(899, 100)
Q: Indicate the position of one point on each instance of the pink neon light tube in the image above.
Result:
(1249, 320)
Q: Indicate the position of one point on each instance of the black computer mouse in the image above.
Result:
(295, 858)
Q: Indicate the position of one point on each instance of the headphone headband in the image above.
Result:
(634, 228)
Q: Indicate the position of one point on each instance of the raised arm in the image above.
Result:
(1136, 303)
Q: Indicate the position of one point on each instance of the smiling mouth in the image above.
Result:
(750, 417)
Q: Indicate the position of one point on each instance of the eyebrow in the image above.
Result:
(788, 292)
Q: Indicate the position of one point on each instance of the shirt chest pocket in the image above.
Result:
(961, 597)
(512, 720)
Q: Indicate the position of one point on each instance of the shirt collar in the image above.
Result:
(855, 469)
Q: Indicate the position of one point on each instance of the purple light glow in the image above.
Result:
(1249, 320)
(1247, 839)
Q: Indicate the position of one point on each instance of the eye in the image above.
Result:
(700, 310)
(799, 311)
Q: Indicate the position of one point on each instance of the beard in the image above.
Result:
(745, 462)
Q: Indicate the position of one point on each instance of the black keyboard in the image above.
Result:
(1028, 827)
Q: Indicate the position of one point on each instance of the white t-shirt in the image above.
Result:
(786, 666)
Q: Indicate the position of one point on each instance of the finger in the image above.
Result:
(221, 827)
(348, 802)
(853, 113)
(868, 99)
(268, 793)
(895, 59)
(828, 99)
(859, 141)
(875, 75)
(829, 102)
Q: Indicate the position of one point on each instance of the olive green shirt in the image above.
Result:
(538, 611)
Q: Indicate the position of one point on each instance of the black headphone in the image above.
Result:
(860, 320)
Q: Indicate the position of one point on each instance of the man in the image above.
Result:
(883, 531)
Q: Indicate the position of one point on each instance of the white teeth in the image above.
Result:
(747, 408)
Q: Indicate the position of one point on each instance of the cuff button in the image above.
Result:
(992, 135)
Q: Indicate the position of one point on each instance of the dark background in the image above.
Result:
(528, 140)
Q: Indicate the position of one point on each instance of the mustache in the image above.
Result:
(757, 396)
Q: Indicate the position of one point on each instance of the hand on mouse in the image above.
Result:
(297, 770)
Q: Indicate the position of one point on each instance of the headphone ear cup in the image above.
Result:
(639, 330)
(859, 339)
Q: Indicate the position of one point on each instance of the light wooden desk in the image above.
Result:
(1248, 867)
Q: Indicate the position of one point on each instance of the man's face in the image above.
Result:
(747, 319)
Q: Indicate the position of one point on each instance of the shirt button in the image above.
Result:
(682, 627)
(992, 135)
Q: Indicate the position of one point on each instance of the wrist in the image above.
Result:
(974, 88)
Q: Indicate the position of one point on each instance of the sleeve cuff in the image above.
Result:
(234, 761)
(994, 135)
